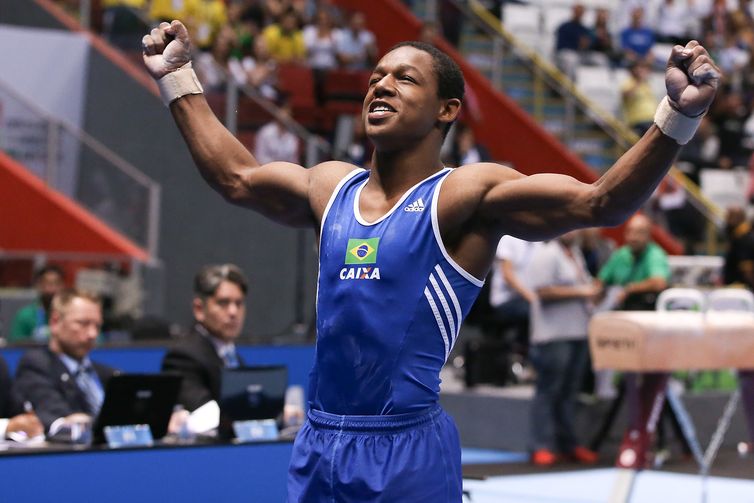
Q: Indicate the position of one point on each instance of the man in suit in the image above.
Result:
(60, 381)
(13, 418)
(219, 308)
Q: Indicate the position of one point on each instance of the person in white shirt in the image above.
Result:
(274, 142)
(356, 46)
(509, 294)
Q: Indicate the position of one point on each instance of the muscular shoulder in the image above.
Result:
(466, 187)
(323, 179)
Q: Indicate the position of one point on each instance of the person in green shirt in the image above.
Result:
(30, 322)
(640, 268)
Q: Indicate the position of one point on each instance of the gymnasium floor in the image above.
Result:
(500, 477)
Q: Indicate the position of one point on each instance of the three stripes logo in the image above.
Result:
(417, 205)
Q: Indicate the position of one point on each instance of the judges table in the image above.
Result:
(253, 472)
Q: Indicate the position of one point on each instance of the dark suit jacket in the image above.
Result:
(43, 379)
(10, 405)
(196, 359)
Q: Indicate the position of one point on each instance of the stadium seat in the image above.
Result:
(681, 299)
(731, 299)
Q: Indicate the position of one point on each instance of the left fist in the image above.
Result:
(691, 79)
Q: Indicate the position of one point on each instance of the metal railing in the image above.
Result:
(74, 163)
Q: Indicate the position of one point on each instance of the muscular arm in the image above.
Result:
(279, 190)
(544, 205)
(649, 285)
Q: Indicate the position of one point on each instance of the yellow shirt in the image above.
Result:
(171, 9)
(206, 17)
(284, 48)
(136, 4)
(640, 106)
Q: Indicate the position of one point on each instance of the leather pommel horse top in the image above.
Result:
(654, 341)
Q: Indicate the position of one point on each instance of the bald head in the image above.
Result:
(638, 233)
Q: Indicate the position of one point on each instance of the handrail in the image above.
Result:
(614, 128)
(111, 157)
(270, 107)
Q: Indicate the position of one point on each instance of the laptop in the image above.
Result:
(138, 399)
(247, 393)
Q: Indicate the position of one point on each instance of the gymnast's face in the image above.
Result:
(402, 106)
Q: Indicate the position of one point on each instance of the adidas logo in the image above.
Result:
(417, 205)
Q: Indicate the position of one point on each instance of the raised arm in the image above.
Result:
(545, 205)
(278, 190)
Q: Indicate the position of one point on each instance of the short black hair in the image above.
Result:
(450, 82)
(209, 278)
(48, 268)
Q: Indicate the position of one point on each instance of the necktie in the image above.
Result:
(230, 358)
(92, 391)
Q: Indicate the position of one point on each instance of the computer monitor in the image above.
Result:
(138, 399)
(247, 393)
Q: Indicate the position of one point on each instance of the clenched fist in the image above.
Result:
(166, 49)
(691, 79)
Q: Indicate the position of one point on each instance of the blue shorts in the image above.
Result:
(407, 457)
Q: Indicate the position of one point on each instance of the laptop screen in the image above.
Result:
(138, 399)
(252, 393)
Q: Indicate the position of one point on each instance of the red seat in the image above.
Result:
(298, 82)
(346, 85)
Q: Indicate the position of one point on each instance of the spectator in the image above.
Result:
(122, 23)
(602, 39)
(510, 297)
(672, 22)
(206, 18)
(739, 258)
(14, 421)
(359, 150)
(320, 40)
(210, 66)
(595, 248)
(739, 270)
(258, 70)
(559, 317)
(31, 322)
(638, 100)
(637, 40)
(285, 40)
(717, 24)
(274, 142)
(219, 308)
(702, 151)
(729, 114)
(61, 382)
(167, 10)
(640, 268)
(466, 150)
(572, 39)
(356, 46)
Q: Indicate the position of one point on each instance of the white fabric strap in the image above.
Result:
(179, 83)
(674, 124)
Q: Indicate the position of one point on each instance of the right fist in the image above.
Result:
(166, 49)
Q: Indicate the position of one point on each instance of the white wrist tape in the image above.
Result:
(674, 124)
(179, 83)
